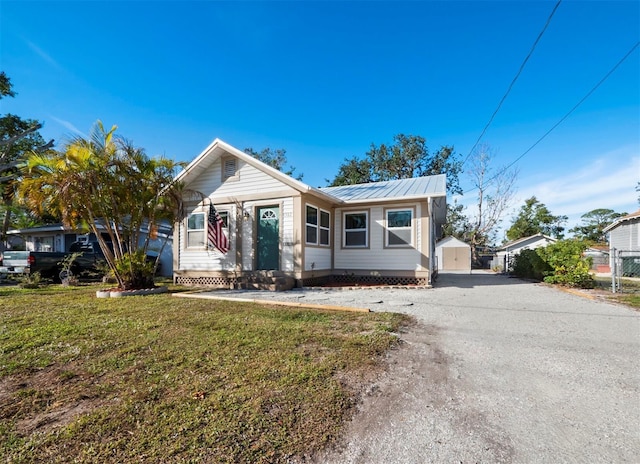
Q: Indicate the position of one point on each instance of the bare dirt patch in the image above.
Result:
(48, 398)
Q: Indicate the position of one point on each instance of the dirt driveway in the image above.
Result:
(498, 371)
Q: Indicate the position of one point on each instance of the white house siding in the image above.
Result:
(251, 181)
(625, 237)
(317, 258)
(209, 259)
(376, 257)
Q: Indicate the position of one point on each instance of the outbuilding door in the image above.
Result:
(268, 239)
(456, 259)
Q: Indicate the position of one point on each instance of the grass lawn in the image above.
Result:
(163, 379)
(629, 294)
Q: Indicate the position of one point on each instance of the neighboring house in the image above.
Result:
(453, 255)
(56, 237)
(624, 244)
(506, 252)
(285, 233)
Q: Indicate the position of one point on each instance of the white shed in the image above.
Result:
(453, 255)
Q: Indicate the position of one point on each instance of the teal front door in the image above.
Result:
(268, 239)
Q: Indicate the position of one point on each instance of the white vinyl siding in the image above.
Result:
(626, 236)
(250, 181)
(378, 257)
(317, 259)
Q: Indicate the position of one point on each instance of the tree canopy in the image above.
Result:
(277, 159)
(18, 138)
(408, 156)
(535, 218)
(593, 224)
(111, 187)
(494, 190)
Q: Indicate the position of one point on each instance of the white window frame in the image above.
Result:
(194, 231)
(224, 215)
(389, 229)
(345, 231)
(322, 228)
(319, 228)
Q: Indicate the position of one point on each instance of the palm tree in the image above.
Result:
(111, 187)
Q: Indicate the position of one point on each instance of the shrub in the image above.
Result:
(29, 280)
(528, 264)
(568, 264)
(135, 270)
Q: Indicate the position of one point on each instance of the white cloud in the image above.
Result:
(42, 54)
(608, 181)
(69, 126)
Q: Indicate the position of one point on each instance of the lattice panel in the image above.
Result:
(223, 282)
(366, 280)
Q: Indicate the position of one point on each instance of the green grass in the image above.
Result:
(163, 379)
(628, 295)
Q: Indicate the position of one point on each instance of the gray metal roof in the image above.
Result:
(416, 187)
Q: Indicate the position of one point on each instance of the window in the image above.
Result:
(196, 230)
(325, 222)
(318, 226)
(399, 229)
(224, 215)
(355, 230)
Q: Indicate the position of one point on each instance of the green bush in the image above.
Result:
(568, 264)
(529, 265)
(136, 270)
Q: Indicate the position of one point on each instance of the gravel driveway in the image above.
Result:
(498, 370)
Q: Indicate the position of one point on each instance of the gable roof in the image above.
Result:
(521, 241)
(455, 240)
(414, 188)
(622, 219)
(218, 148)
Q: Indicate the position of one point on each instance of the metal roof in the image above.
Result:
(416, 187)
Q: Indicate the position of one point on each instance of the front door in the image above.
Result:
(268, 239)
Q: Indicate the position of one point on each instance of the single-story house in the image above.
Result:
(506, 252)
(624, 244)
(58, 238)
(453, 255)
(283, 233)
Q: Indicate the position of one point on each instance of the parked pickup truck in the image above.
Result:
(48, 263)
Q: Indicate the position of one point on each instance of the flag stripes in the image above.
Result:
(215, 234)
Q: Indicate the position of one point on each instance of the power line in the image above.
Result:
(504, 97)
(562, 119)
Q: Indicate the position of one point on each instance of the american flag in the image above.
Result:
(215, 234)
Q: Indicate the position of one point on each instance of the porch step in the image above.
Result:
(267, 281)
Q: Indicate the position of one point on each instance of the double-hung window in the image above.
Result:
(399, 227)
(196, 232)
(356, 230)
(197, 228)
(317, 226)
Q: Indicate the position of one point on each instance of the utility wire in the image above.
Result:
(593, 89)
(504, 97)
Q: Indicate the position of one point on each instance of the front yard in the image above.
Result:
(162, 379)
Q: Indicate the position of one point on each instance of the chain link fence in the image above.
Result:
(625, 264)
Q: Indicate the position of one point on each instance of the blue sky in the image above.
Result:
(324, 80)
